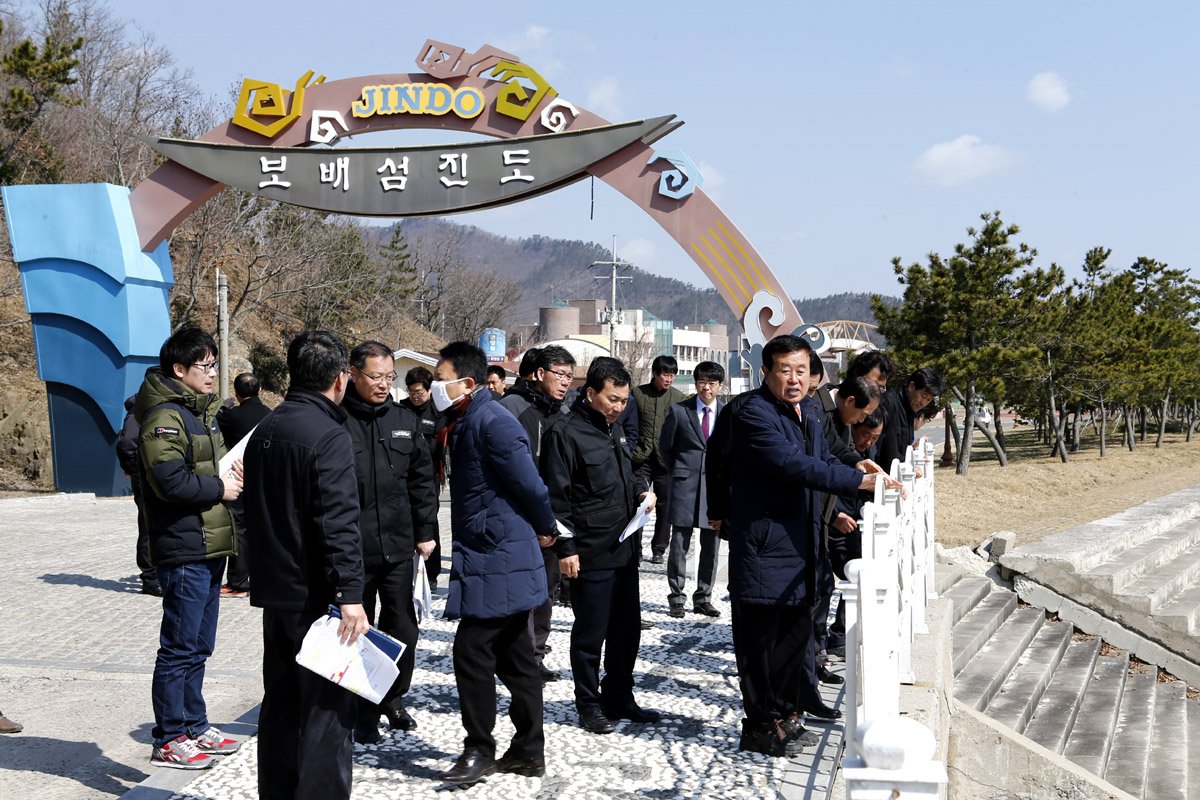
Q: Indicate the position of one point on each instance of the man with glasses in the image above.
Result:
(418, 381)
(191, 533)
(398, 519)
(684, 447)
(538, 404)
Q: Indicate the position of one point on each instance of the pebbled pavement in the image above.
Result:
(77, 644)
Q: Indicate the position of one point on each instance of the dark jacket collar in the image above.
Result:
(360, 408)
(310, 398)
(251, 401)
(536, 397)
(593, 417)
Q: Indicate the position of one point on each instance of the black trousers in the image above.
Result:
(658, 479)
(304, 725)
(842, 550)
(237, 570)
(821, 609)
(486, 649)
(146, 570)
(775, 658)
(608, 615)
(392, 584)
(540, 617)
(433, 564)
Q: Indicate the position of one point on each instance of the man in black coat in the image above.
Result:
(398, 516)
(653, 400)
(537, 403)
(587, 468)
(418, 381)
(306, 553)
(127, 457)
(235, 423)
(684, 446)
(900, 407)
(780, 463)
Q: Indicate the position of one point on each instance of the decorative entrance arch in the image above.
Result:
(96, 269)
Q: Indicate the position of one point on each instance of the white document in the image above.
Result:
(640, 518)
(422, 596)
(563, 533)
(360, 667)
(234, 453)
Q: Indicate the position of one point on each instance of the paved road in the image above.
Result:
(77, 644)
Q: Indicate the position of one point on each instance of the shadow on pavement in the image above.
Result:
(127, 586)
(79, 761)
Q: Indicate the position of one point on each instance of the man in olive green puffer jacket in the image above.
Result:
(191, 533)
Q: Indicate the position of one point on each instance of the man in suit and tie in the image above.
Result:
(683, 446)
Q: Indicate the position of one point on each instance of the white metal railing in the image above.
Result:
(886, 594)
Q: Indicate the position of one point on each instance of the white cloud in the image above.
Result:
(604, 98)
(965, 159)
(1048, 91)
(642, 252)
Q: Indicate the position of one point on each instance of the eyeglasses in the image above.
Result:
(708, 383)
(390, 378)
(417, 391)
(562, 376)
(207, 366)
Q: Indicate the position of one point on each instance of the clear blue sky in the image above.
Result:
(836, 135)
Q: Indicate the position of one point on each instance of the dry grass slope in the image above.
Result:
(1036, 495)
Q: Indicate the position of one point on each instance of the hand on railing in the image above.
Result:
(870, 480)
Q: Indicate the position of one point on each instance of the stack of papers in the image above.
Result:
(367, 667)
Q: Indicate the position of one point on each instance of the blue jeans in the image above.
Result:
(191, 598)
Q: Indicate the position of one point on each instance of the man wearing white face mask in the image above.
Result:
(499, 505)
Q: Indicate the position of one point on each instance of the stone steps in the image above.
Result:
(1114, 718)
(1126, 567)
(1149, 592)
(965, 594)
(1139, 569)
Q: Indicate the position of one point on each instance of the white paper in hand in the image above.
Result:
(360, 667)
(234, 453)
(563, 531)
(422, 597)
(640, 518)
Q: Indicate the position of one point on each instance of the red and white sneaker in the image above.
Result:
(215, 743)
(181, 753)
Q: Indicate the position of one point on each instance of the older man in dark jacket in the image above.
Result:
(498, 511)
(782, 461)
(587, 467)
(306, 554)
(398, 518)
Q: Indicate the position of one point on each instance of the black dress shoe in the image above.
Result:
(797, 735)
(632, 712)
(548, 675)
(707, 609)
(821, 711)
(547, 649)
(676, 611)
(529, 767)
(367, 734)
(594, 721)
(399, 719)
(152, 589)
(657, 558)
(832, 678)
(471, 767)
(646, 625)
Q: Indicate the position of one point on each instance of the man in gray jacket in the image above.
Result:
(683, 448)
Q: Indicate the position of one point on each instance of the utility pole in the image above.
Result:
(223, 334)
(612, 308)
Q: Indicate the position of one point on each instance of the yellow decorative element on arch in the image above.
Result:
(745, 255)
(728, 271)
(724, 283)
(734, 258)
(270, 100)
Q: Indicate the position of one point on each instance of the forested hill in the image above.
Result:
(551, 269)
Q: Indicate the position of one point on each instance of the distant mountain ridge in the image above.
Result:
(550, 269)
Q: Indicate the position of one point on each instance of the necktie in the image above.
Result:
(705, 428)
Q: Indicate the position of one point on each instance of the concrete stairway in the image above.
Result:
(1071, 693)
(1139, 569)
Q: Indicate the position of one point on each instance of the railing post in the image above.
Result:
(849, 589)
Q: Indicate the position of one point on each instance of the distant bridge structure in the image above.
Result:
(847, 336)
